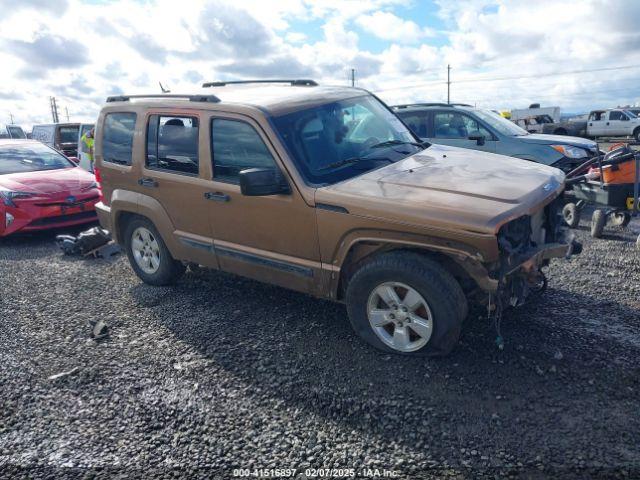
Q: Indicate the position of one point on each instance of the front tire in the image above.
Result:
(405, 303)
(636, 134)
(149, 256)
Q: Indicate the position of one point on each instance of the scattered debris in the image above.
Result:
(64, 374)
(99, 329)
(96, 242)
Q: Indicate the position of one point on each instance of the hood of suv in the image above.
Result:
(449, 188)
(544, 139)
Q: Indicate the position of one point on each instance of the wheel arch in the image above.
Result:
(144, 207)
(465, 267)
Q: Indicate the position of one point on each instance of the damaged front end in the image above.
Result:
(527, 244)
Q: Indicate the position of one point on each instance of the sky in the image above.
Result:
(503, 54)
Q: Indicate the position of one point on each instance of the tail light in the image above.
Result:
(96, 172)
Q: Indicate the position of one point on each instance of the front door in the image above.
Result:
(454, 128)
(174, 174)
(270, 238)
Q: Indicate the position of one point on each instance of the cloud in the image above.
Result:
(49, 52)
(387, 26)
(148, 48)
(57, 7)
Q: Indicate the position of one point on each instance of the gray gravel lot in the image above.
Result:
(221, 372)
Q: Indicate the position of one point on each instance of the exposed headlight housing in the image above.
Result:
(8, 219)
(570, 151)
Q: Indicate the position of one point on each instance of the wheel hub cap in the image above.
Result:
(146, 251)
(400, 316)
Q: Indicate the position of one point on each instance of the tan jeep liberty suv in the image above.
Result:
(324, 190)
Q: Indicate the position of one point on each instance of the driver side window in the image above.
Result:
(236, 146)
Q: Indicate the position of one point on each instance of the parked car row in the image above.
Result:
(613, 122)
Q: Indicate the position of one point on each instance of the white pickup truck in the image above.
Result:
(616, 122)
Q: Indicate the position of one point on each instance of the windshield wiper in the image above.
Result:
(389, 143)
(351, 160)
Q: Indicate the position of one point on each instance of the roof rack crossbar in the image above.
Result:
(191, 98)
(432, 104)
(299, 82)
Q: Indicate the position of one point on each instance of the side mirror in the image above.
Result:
(478, 137)
(257, 182)
(75, 160)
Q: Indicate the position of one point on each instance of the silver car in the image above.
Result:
(479, 129)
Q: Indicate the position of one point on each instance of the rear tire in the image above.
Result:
(148, 255)
(598, 221)
(424, 310)
(571, 215)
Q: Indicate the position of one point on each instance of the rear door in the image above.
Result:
(174, 174)
(270, 238)
(454, 128)
(617, 124)
(596, 125)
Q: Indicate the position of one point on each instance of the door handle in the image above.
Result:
(148, 182)
(217, 196)
(607, 123)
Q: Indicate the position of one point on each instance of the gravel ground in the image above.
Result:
(220, 373)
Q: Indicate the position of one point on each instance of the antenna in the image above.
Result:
(66, 112)
(11, 117)
(164, 90)
(353, 77)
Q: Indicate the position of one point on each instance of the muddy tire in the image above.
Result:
(598, 221)
(405, 303)
(571, 215)
(148, 255)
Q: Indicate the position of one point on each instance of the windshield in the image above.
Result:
(501, 124)
(68, 134)
(340, 140)
(16, 132)
(30, 158)
(631, 113)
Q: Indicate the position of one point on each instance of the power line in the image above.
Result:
(494, 79)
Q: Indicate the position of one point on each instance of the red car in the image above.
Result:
(40, 188)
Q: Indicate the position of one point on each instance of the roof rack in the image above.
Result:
(408, 105)
(191, 98)
(300, 82)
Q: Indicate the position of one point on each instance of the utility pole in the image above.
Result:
(66, 112)
(448, 84)
(353, 77)
(54, 109)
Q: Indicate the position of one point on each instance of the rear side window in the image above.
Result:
(615, 115)
(172, 144)
(236, 147)
(117, 139)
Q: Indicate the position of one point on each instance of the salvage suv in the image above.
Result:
(324, 190)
